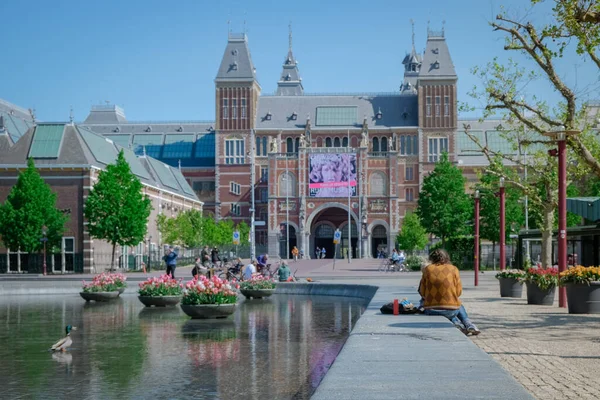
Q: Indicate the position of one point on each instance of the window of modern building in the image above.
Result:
(428, 106)
(409, 194)
(409, 174)
(225, 108)
(384, 144)
(236, 209)
(235, 188)
(446, 106)
(243, 108)
(328, 142)
(438, 101)
(375, 144)
(437, 146)
(336, 142)
(377, 184)
(234, 151)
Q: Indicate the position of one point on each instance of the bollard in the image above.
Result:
(396, 309)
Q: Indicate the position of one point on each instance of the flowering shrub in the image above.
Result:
(580, 274)
(544, 278)
(209, 291)
(160, 286)
(517, 274)
(105, 282)
(258, 282)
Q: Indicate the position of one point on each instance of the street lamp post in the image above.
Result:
(476, 283)
(252, 184)
(349, 211)
(287, 207)
(44, 240)
(502, 226)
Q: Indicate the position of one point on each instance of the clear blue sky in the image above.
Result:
(158, 58)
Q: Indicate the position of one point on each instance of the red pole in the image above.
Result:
(562, 216)
(502, 227)
(476, 238)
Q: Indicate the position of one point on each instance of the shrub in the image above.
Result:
(209, 291)
(580, 274)
(544, 278)
(414, 263)
(258, 282)
(160, 286)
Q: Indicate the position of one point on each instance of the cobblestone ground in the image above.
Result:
(555, 355)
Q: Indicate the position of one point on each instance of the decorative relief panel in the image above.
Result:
(378, 206)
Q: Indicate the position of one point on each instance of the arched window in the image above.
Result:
(328, 142)
(379, 232)
(324, 231)
(377, 184)
(375, 144)
(297, 145)
(289, 145)
(384, 144)
(264, 145)
(336, 142)
(345, 141)
(344, 230)
(258, 146)
(287, 184)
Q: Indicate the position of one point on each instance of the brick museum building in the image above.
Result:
(316, 157)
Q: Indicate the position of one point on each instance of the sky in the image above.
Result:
(158, 59)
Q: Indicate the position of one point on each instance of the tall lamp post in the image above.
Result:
(560, 136)
(349, 210)
(44, 240)
(476, 283)
(251, 155)
(502, 226)
(287, 208)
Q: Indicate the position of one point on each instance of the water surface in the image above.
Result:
(276, 348)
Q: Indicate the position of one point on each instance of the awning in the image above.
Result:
(586, 207)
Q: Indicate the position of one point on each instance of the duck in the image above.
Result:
(66, 342)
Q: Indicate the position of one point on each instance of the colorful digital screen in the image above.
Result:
(332, 175)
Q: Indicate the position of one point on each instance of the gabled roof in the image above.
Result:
(277, 112)
(437, 62)
(236, 64)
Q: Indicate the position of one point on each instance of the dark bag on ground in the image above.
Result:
(389, 309)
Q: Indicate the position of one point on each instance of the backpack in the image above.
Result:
(404, 307)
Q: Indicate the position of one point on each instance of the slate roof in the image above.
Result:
(397, 110)
(437, 62)
(14, 120)
(106, 114)
(290, 83)
(236, 64)
(81, 147)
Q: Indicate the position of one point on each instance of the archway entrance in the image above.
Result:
(283, 241)
(323, 226)
(343, 248)
(379, 240)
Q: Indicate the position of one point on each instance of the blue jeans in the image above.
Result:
(456, 316)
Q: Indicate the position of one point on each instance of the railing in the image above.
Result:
(379, 154)
(358, 94)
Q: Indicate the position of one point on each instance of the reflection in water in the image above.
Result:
(277, 348)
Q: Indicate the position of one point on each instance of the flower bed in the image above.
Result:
(160, 286)
(580, 275)
(517, 274)
(209, 291)
(105, 282)
(544, 278)
(258, 283)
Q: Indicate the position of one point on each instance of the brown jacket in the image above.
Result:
(441, 287)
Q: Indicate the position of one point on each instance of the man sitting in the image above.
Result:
(284, 273)
(250, 271)
(440, 288)
(261, 262)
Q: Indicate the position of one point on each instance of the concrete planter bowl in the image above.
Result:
(99, 296)
(121, 290)
(537, 296)
(208, 311)
(257, 293)
(159, 301)
(510, 287)
(583, 299)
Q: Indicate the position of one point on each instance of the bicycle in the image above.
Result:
(231, 273)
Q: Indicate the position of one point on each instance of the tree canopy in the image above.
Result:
(412, 235)
(30, 205)
(116, 208)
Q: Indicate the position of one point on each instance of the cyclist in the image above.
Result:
(395, 259)
(261, 262)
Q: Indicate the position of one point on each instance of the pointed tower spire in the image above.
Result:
(290, 83)
(412, 66)
(412, 22)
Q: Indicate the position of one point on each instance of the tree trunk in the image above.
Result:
(112, 259)
(547, 228)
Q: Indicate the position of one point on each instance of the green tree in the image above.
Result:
(116, 209)
(184, 230)
(412, 235)
(443, 205)
(30, 205)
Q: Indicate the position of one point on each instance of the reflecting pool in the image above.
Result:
(276, 348)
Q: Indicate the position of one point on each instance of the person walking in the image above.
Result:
(295, 253)
(171, 261)
(318, 252)
(323, 251)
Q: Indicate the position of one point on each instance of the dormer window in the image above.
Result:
(294, 116)
(149, 129)
(288, 61)
(180, 129)
(288, 77)
(234, 52)
(268, 116)
(436, 65)
(117, 130)
(234, 66)
(379, 114)
(435, 51)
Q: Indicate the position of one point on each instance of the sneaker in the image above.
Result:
(473, 330)
(460, 328)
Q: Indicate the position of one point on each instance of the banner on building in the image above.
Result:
(332, 175)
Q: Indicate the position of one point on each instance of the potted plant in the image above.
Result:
(160, 291)
(205, 298)
(258, 287)
(583, 289)
(103, 287)
(510, 282)
(120, 281)
(541, 285)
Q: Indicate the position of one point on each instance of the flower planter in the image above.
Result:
(257, 293)
(159, 301)
(583, 299)
(535, 295)
(208, 311)
(121, 290)
(510, 287)
(99, 296)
